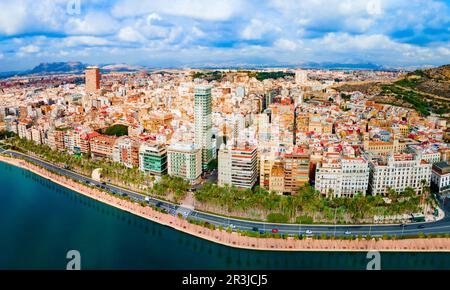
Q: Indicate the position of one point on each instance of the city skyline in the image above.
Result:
(184, 33)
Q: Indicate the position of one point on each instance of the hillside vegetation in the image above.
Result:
(427, 91)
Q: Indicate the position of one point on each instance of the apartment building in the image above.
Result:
(440, 178)
(185, 161)
(126, 151)
(153, 158)
(37, 135)
(238, 166)
(398, 171)
(295, 162)
(102, 146)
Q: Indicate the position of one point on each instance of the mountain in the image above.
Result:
(121, 67)
(347, 66)
(69, 67)
(58, 67)
(427, 90)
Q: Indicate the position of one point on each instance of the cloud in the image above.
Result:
(27, 16)
(286, 44)
(129, 34)
(74, 41)
(258, 29)
(218, 10)
(29, 49)
(93, 23)
(181, 31)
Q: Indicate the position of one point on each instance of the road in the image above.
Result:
(438, 227)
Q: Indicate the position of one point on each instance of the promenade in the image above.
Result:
(234, 239)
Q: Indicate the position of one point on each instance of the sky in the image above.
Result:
(163, 33)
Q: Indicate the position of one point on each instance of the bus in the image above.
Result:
(417, 217)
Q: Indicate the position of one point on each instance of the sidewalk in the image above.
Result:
(234, 239)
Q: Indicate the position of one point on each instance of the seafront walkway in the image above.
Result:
(234, 239)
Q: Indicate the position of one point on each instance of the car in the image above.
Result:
(124, 194)
(97, 185)
(275, 231)
(348, 233)
(158, 204)
(262, 232)
(87, 182)
(421, 226)
(104, 183)
(308, 232)
(255, 229)
(231, 226)
(147, 199)
(193, 189)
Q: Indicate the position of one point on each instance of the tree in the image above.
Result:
(277, 218)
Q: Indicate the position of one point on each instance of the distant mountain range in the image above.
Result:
(78, 67)
(68, 67)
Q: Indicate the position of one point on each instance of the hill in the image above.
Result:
(57, 67)
(427, 91)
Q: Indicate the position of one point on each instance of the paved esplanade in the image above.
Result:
(438, 227)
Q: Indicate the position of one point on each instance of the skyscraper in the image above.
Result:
(92, 75)
(203, 123)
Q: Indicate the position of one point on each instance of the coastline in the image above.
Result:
(234, 239)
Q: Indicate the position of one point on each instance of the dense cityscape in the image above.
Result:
(189, 137)
(186, 136)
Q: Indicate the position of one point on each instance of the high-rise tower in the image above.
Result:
(203, 123)
(92, 75)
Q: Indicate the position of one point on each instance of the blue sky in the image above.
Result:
(196, 32)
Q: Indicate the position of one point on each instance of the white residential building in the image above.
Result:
(238, 166)
(344, 177)
(398, 171)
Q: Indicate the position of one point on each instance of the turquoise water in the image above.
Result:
(41, 221)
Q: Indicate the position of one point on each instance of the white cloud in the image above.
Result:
(24, 16)
(198, 9)
(286, 44)
(129, 34)
(153, 16)
(94, 23)
(72, 41)
(12, 17)
(257, 29)
(29, 49)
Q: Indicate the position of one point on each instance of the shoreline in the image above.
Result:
(234, 239)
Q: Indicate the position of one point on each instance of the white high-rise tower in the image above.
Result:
(203, 123)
